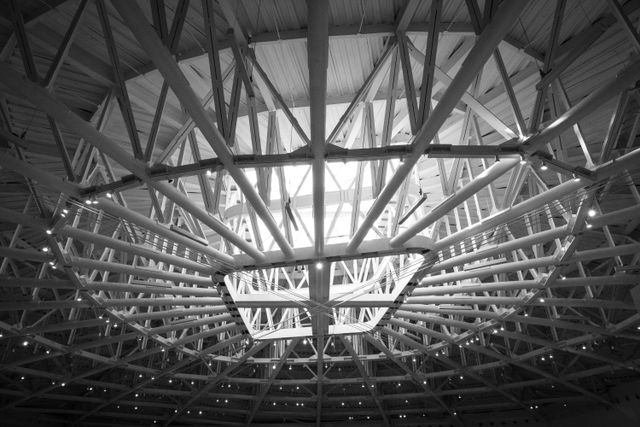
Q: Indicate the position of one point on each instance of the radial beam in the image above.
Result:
(568, 119)
(146, 251)
(318, 57)
(450, 203)
(119, 211)
(162, 58)
(122, 94)
(478, 107)
(39, 97)
(429, 62)
(586, 106)
(214, 65)
(486, 44)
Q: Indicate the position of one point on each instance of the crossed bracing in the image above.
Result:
(512, 306)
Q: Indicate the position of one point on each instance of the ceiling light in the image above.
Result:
(319, 265)
(109, 196)
(544, 167)
(591, 213)
(49, 232)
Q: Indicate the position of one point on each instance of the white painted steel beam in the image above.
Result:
(163, 59)
(43, 100)
(487, 42)
(479, 182)
(118, 211)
